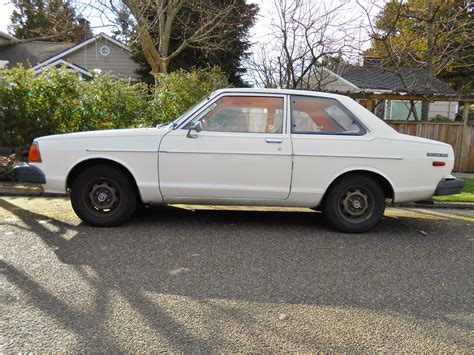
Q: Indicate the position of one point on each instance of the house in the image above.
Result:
(382, 86)
(100, 52)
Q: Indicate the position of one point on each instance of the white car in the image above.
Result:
(248, 147)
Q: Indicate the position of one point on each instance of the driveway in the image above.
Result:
(182, 279)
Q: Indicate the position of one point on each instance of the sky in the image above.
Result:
(259, 32)
(6, 9)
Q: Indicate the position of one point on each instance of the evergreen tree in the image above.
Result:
(48, 20)
(229, 58)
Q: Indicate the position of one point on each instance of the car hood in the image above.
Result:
(130, 132)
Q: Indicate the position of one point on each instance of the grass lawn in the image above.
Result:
(467, 194)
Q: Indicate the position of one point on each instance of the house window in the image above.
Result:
(104, 50)
(400, 110)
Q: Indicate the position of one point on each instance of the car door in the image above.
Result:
(243, 152)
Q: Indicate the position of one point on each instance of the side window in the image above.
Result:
(312, 115)
(244, 114)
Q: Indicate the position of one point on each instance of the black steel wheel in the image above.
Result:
(354, 204)
(103, 196)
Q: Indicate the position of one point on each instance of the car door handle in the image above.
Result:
(274, 140)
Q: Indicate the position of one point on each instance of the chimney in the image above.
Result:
(372, 62)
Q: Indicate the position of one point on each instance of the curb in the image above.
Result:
(12, 189)
(435, 204)
(24, 190)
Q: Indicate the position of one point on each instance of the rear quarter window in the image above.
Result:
(317, 115)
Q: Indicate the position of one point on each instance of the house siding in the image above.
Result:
(444, 108)
(330, 82)
(118, 61)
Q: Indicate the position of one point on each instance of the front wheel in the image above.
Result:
(355, 204)
(103, 196)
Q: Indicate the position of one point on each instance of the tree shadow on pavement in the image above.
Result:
(254, 256)
(89, 327)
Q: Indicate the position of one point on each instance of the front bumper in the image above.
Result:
(28, 173)
(449, 187)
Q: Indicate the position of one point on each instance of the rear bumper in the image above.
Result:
(449, 187)
(29, 173)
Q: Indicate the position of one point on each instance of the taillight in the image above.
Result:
(34, 155)
(439, 163)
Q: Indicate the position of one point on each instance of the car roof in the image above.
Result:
(367, 118)
(277, 91)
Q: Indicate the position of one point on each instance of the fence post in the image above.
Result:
(419, 129)
(465, 140)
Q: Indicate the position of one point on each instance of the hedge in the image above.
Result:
(58, 101)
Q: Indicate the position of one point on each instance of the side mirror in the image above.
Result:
(195, 127)
(198, 126)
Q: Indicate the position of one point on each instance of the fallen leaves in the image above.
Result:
(6, 167)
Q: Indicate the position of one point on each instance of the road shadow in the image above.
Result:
(254, 256)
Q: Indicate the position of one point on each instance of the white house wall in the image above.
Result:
(443, 108)
(118, 61)
(335, 84)
(330, 82)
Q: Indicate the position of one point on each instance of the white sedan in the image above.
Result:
(247, 147)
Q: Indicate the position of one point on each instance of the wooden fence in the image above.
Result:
(460, 135)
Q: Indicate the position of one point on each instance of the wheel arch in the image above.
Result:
(379, 177)
(89, 162)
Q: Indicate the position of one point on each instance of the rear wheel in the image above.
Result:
(354, 204)
(103, 196)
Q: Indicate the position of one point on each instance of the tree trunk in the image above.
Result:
(428, 89)
(149, 50)
(413, 110)
(425, 109)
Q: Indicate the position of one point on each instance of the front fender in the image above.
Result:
(147, 182)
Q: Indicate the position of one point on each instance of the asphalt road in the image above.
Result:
(207, 279)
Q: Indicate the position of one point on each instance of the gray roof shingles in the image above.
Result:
(6, 36)
(30, 53)
(372, 78)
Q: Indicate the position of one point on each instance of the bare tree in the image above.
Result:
(305, 36)
(426, 37)
(199, 22)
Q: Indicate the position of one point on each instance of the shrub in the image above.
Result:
(470, 115)
(107, 102)
(181, 89)
(58, 101)
(440, 118)
(33, 106)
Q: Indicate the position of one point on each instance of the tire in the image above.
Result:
(354, 204)
(103, 196)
